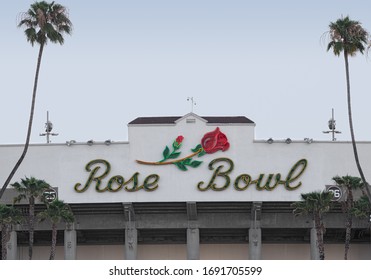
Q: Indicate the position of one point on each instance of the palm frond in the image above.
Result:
(348, 36)
(362, 207)
(57, 211)
(312, 203)
(349, 181)
(30, 187)
(49, 22)
(10, 215)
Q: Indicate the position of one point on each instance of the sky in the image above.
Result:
(265, 60)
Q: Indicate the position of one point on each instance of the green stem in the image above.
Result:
(170, 162)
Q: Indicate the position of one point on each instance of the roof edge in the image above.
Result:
(172, 120)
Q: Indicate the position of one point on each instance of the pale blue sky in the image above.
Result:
(125, 59)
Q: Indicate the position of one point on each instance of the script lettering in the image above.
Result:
(243, 181)
(218, 173)
(117, 182)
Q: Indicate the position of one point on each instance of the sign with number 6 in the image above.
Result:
(336, 191)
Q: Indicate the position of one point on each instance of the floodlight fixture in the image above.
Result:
(71, 142)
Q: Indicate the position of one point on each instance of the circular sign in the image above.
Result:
(50, 195)
(336, 191)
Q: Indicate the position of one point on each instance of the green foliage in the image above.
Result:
(173, 155)
(313, 202)
(198, 148)
(182, 165)
(30, 188)
(45, 22)
(57, 211)
(349, 182)
(361, 208)
(347, 36)
(9, 215)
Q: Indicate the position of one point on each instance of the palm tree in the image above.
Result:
(31, 189)
(350, 184)
(348, 37)
(56, 211)
(315, 204)
(43, 22)
(9, 216)
(362, 207)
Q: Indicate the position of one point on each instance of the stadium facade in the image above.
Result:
(188, 187)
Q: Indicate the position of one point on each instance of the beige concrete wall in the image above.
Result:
(224, 252)
(100, 252)
(207, 252)
(302, 252)
(356, 252)
(40, 253)
(286, 251)
(162, 252)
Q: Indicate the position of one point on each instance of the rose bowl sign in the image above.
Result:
(221, 176)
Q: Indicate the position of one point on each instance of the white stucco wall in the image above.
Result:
(64, 166)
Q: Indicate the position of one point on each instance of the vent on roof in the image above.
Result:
(191, 121)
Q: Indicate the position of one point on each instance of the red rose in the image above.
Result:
(178, 142)
(179, 139)
(214, 141)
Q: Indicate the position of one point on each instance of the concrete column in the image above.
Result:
(193, 244)
(70, 243)
(255, 232)
(11, 246)
(314, 252)
(131, 232)
(255, 243)
(131, 243)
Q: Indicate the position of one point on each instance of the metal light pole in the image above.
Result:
(48, 129)
(332, 126)
(192, 102)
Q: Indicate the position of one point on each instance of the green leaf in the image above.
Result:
(181, 166)
(176, 145)
(174, 155)
(166, 152)
(202, 153)
(187, 161)
(195, 163)
(198, 147)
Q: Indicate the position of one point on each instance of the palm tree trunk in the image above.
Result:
(348, 229)
(23, 155)
(319, 230)
(355, 152)
(4, 239)
(31, 227)
(54, 241)
(348, 222)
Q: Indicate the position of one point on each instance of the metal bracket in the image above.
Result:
(192, 211)
(256, 214)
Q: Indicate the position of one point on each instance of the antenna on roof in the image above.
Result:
(332, 126)
(48, 129)
(192, 103)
